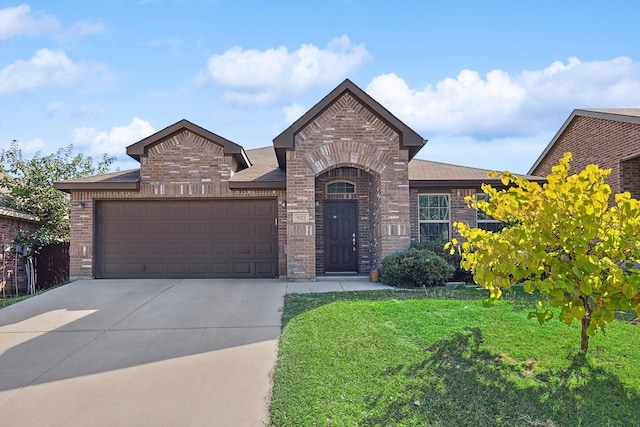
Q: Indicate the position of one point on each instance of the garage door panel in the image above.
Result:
(264, 268)
(197, 248)
(267, 249)
(242, 268)
(242, 249)
(203, 238)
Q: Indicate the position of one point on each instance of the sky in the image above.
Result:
(488, 83)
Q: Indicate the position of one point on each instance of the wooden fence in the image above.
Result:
(52, 265)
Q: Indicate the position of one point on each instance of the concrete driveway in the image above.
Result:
(141, 353)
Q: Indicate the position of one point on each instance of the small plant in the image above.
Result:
(415, 268)
(437, 246)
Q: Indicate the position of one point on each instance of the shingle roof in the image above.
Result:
(264, 172)
(623, 112)
(10, 212)
(120, 180)
(429, 173)
(230, 148)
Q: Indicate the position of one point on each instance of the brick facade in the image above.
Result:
(609, 143)
(183, 166)
(347, 134)
(346, 137)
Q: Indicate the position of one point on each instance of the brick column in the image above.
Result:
(301, 242)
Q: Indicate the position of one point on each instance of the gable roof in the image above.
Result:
(229, 148)
(409, 139)
(626, 115)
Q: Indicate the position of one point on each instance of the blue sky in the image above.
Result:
(488, 83)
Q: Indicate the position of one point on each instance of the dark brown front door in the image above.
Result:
(186, 239)
(340, 236)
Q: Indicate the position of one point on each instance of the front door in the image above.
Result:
(340, 236)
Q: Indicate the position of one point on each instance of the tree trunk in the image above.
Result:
(584, 342)
(586, 321)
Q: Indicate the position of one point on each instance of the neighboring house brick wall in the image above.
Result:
(183, 166)
(9, 229)
(346, 134)
(630, 176)
(597, 141)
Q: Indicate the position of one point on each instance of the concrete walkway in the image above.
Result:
(145, 352)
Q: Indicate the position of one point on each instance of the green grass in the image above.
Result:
(5, 302)
(441, 359)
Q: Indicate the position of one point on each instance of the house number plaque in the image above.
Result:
(299, 217)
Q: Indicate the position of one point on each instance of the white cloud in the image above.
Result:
(515, 154)
(32, 146)
(92, 111)
(114, 141)
(46, 68)
(81, 29)
(53, 108)
(255, 77)
(293, 112)
(19, 20)
(172, 42)
(500, 105)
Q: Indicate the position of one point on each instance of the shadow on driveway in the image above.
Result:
(160, 352)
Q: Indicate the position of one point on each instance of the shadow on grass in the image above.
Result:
(460, 384)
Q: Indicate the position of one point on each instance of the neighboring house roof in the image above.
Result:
(627, 115)
(425, 173)
(409, 139)
(9, 212)
(229, 148)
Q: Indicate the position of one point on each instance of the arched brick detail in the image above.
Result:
(351, 154)
(347, 133)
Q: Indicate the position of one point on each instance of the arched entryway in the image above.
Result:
(343, 210)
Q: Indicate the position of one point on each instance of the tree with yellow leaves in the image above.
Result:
(563, 239)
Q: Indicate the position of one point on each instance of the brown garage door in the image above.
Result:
(186, 239)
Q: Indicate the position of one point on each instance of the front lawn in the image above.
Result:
(407, 358)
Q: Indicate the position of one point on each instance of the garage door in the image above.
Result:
(186, 239)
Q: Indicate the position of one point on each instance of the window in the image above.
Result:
(485, 222)
(341, 188)
(433, 216)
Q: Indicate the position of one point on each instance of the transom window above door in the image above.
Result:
(341, 187)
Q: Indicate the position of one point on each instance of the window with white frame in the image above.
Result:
(484, 221)
(433, 216)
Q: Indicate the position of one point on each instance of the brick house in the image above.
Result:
(609, 138)
(336, 192)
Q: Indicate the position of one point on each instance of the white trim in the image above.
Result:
(430, 221)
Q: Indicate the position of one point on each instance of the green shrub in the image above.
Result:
(415, 268)
(437, 246)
